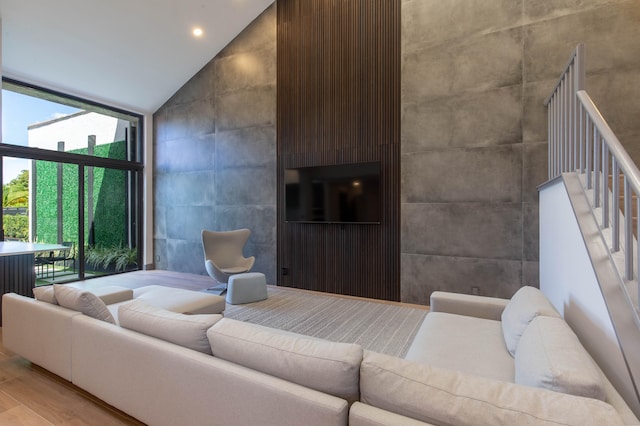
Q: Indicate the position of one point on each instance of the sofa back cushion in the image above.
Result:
(322, 365)
(446, 397)
(82, 301)
(45, 293)
(189, 331)
(550, 356)
(524, 306)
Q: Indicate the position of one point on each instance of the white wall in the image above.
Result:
(566, 276)
(568, 279)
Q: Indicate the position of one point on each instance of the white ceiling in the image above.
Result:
(133, 54)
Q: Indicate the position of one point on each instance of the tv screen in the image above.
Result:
(345, 193)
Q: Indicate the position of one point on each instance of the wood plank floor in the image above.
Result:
(32, 396)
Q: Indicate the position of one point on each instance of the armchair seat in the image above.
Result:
(234, 270)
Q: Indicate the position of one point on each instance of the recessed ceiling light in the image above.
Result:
(197, 32)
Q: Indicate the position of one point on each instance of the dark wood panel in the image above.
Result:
(338, 103)
(17, 275)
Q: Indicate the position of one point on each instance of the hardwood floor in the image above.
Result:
(32, 396)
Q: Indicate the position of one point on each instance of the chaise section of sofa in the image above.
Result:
(474, 348)
(463, 343)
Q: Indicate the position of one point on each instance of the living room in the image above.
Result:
(472, 141)
(492, 253)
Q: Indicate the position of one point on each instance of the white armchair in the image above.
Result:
(223, 254)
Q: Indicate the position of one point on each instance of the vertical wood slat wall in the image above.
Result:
(17, 275)
(338, 85)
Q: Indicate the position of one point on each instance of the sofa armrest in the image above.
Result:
(468, 305)
(38, 331)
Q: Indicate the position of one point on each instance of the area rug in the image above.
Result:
(379, 327)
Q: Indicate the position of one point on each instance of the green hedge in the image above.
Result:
(109, 200)
(16, 226)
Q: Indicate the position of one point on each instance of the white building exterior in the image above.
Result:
(74, 130)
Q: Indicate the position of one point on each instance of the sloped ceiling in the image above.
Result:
(133, 54)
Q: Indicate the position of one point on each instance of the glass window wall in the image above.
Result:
(72, 178)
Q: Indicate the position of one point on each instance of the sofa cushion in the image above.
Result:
(189, 331)
(82, 301)
(181, 300)
(550, 356)
(442, 396)
(113, 294)
(366, 415)
(525, 305)
(468, 344)
(45, 293)
(322, 365)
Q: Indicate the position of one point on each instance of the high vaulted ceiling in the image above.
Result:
(133, 54)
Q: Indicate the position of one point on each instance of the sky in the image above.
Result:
(19, 112)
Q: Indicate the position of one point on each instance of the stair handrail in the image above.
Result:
(612, 155)
(580, 140)
(616, 149)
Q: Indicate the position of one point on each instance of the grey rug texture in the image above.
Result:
(379, 327)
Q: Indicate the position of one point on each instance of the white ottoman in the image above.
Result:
(246, 288)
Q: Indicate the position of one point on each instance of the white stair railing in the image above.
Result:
(582, 143)
(580, 140)
(564, 153)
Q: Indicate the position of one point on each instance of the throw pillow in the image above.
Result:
(189, 331)
(550, 356)
(45, 293)
(524, 306)
(82, 301)
(441, 396)
(329, 367)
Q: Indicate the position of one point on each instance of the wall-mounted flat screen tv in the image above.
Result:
(345, 193)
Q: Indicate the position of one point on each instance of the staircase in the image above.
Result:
(581, 141)
(634, 203)
(591, 175)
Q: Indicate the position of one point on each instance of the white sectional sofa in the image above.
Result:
(208, 370)
(461, 361)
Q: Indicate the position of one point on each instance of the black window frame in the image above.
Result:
(136, 167)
